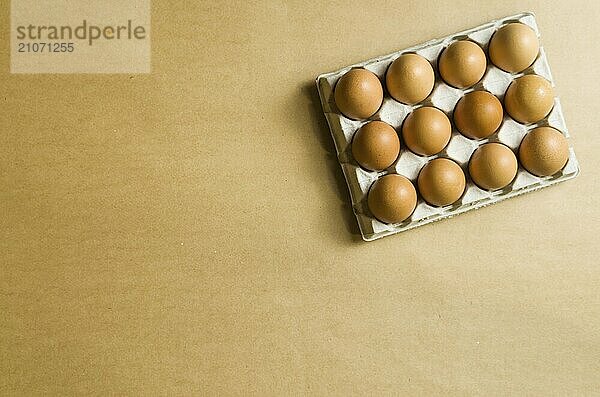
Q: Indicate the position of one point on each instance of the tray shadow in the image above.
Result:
(334, 171)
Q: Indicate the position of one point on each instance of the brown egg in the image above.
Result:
(544, 151)
(478, 114)
(441, 182)
(375, 146)
(493, 166)
(426, 131)
(392, 198)
(514, 47)
(410, 79)
(358, 94)
(529, 99)
(462, 64)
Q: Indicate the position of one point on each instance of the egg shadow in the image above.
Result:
(334, 170)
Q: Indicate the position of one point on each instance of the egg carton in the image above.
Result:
(459, 149)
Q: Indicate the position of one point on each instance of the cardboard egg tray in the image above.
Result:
(459, 149)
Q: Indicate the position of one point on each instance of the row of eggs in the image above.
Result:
(441, 182)
(427, 130)
(410, 78)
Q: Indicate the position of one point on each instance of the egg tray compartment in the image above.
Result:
(459, 149)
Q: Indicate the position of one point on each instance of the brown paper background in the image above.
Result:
(187, 231)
